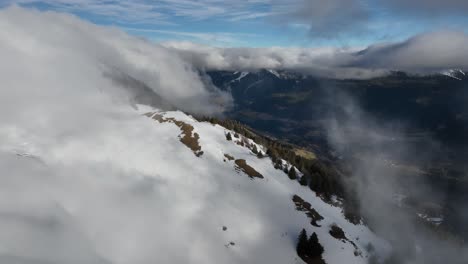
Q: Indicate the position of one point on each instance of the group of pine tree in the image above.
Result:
(309, 249)
(319, 176)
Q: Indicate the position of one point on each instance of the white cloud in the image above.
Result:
(90, 58)
(320, 61)
(424, 53)
(218, 38)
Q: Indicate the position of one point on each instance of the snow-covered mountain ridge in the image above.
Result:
(216, 148)
(87, 179)
(455, 74)
(163, 196)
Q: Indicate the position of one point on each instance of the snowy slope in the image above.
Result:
(85, 178)
(154, 198)
(166, 198)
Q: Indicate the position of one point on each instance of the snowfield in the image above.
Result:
(136, 194)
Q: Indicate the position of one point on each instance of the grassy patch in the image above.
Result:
(305, 154)
(187, 137)
(293, 98)
(306, 207)
(229, 157)
(251, 172)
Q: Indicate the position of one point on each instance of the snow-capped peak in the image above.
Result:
(275, 73)
(455, 74)
(241, 76)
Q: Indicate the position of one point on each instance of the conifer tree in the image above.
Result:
(254, 149)
(292, 173)
(228, 136)
(278, 164)
(304, 180)
(314, 249)
(302, 243)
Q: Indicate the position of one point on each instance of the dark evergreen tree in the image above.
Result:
(228, 136)
(254, 149)
(278, 164)
(314, 249)
(273, 154)
(304, 180)
(292, 173)
(302, 243)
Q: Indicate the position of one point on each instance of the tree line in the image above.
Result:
(321, 177)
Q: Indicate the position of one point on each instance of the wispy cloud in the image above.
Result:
(325, 20)
(213, 38)
(158, 11)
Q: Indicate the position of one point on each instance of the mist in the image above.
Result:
(379, 158)
(82, 58)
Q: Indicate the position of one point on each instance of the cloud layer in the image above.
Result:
(424, 53)
(65, 55)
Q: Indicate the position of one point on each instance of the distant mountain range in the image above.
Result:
(292, 105)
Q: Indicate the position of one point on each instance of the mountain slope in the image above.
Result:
(157, 199)
(87, 179)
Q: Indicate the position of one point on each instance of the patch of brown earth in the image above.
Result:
(338, 233)
(229, 157)
(251, 172)
(306, 207)
(187, 137)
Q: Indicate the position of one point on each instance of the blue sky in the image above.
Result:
(263, 23)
